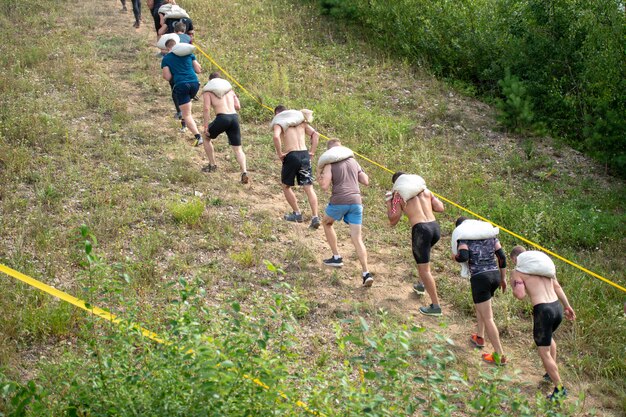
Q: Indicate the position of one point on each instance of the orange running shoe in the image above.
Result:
(478, 341)
(494, 358)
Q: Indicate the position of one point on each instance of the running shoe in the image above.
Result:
(315, 223)
(494, 358)
(478, 341)
(199, 141)
(419, 288)
(136, 25)
(182, 129)
(244, 178)
(546, 377)
(209, 168)
(430, 310)
(336, 262)
(558, 394)
(293, 217)
(368, 280)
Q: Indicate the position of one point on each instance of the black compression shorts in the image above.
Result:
(484, 285)
(228, 123)
(546, 318)
(424, 236)
(297, 164)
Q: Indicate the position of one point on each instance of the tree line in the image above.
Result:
(553, 66)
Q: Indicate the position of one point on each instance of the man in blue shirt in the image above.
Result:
(183, 70)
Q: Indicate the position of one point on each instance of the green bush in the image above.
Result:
(187, 212)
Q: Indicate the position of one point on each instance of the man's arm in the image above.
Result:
(277, 143)
(167, 74)
(236, 102)
(150, 4)
(436, 203)
(363, 178)
(394, 209)
(196, 66)
(569, 311)
(206, 110)
(519, 287)
(326, 177)
(315, 138)
(501, 264)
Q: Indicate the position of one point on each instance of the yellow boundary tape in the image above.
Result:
(96, 311)
(536, 245)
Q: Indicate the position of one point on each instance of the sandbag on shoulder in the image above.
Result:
(471, 230)
(409, 185)
(335, 154)
(287, 118)
(163, 40)
(183, 49)
(165, 8)
(533, 262)
(175, 12)
(218, 86)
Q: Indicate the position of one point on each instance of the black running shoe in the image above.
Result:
(368, 280)
(334, 262)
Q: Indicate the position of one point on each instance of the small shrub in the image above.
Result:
(187, 212)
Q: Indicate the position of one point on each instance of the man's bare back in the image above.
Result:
(539, 289)
(293, 139)
(419, 209)
(228, 104)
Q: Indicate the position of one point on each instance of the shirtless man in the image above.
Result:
(226, 120)
(345, 203)
(291, 150)
(425, 233)
(487, 265)
(545, 294)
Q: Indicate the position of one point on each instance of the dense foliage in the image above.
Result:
(568, 57)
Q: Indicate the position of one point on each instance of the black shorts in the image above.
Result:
(424, 236)
(297, 164)
(184, 92)
(228, 123)
(546, 318)
(484, 285)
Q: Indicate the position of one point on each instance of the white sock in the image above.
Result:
(336, 257)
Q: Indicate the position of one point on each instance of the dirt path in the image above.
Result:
(392, 289)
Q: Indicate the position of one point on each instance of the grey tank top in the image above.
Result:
(346, 182)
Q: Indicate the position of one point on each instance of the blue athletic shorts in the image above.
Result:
(184, 92)
(350, 213)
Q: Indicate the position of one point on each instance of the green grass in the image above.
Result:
(98, 146)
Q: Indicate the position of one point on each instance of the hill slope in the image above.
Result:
(96, 144)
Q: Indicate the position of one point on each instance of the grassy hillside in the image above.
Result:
(87, 137)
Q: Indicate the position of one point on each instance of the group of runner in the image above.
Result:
(485, 257)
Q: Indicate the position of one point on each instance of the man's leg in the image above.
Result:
(331, 236)
(241, 158)
(312, 197)
(210, 151)
(553, 350)
(549, 363)
(123, 5)
(188, 118)
(480, 324)
(486, 313)
(137, 11)
(357, 240)
(290, 196)
(429, 281)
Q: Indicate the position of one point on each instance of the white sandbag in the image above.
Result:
(165, 8)
(175, 12)
(163, 40)
(183, 49)
(409, 185)
(471, 230)
(290, 118)
(218, 86)
(533, 262)
(334, 154)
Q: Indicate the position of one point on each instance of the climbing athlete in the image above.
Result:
(546, 296)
